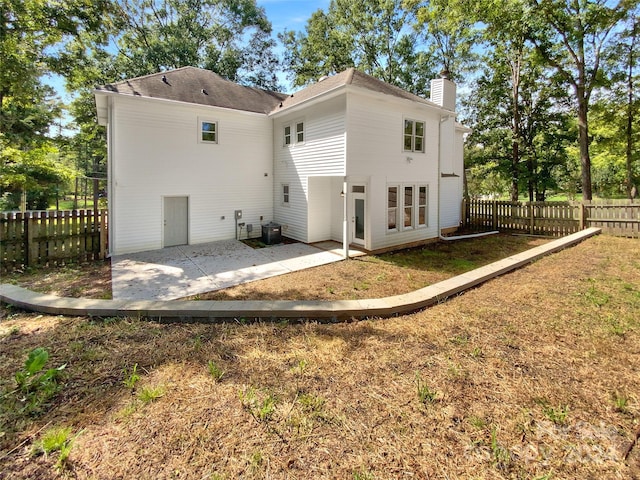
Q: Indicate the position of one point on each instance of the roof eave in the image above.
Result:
(106, 94)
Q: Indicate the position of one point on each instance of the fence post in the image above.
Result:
(532, 218)
(494, 215)
(103, 234)
(582, 215)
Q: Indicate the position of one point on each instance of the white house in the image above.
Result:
(196, 158)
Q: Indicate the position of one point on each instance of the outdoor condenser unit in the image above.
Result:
(271, 233)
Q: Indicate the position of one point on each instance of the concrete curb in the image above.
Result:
(329, 310)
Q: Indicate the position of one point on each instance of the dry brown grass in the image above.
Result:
(504, 361)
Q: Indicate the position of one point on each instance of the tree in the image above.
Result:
(450, 30)
(375, 36)
(571, 35)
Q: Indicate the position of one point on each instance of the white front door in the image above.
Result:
(358, 214)
(176, 221)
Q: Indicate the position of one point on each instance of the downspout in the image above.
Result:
(345, 221)
(111, 197)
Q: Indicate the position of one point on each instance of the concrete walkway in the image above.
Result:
(211, 310)
(178, 272)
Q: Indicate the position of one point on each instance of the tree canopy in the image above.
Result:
(550, 85)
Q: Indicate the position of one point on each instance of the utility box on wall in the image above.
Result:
(271, 233)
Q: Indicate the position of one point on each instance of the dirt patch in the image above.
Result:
(532, 375)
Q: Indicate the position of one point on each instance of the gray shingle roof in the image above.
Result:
(195, 85)
(203, 87)
(353, 77)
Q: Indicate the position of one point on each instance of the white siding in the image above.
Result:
(322, 155)
(452, 187)
(156, 153)
(375, 151)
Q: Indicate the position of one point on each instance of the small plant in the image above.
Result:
(621, 402)
(260, 410)
(477, 353)
(477, 422)
(500, 455)
(57, 439)
(426, 395)
(151, 394)
(556, 415)
(215, 371)
(35, 387)
(363, 475)
(131, 378)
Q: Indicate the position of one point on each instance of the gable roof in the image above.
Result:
(352, 77)
(199, 86)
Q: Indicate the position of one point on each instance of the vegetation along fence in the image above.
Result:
(52, 238)
(614, 217)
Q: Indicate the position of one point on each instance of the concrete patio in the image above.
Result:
(178, 272)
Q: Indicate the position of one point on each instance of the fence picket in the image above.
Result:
(52, 238)
(620, 218)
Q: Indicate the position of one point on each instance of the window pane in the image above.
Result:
(422, 216)
(408, 127)
(408, 196)
(419, 147)
(357, 189)
(420, 129)
(208, 136)
(287, 135)
(393, 197)
(422, 200)
(208, 127)
(391, 222)
(408, 142)
(408, 217)
(300, 132)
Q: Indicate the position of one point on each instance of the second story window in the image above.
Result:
(293, 134)
(413, 136)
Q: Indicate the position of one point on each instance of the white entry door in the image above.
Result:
(358, 215)
(176, 221)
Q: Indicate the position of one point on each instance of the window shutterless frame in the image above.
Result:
(207, 131)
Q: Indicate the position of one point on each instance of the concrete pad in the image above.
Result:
(178, 272)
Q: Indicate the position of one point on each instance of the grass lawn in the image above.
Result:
(534, 375)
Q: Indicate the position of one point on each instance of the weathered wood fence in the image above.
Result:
(52, 238)
(614, 217)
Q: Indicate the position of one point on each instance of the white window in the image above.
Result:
(413, 136)
(287, 135)
(293, 134)
(208, 131)
(300, 132)
(392, 208)
(407, 207)
(423, 193)
(285, 194)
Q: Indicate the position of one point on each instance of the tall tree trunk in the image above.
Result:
(583, 139)
(629, 131)
(515, 129)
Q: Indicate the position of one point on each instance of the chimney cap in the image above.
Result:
(445, 73)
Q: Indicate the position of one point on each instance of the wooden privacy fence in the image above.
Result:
(615, 217)
(52, 238)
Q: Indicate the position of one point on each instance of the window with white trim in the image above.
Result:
(413, 136)
(285, 194)
(293, 134)
(208, 131)
(392, 208)
(300, 132)
(407, 207)
(287, 135)
(423, 193)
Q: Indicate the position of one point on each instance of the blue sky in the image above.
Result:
(290, 14)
